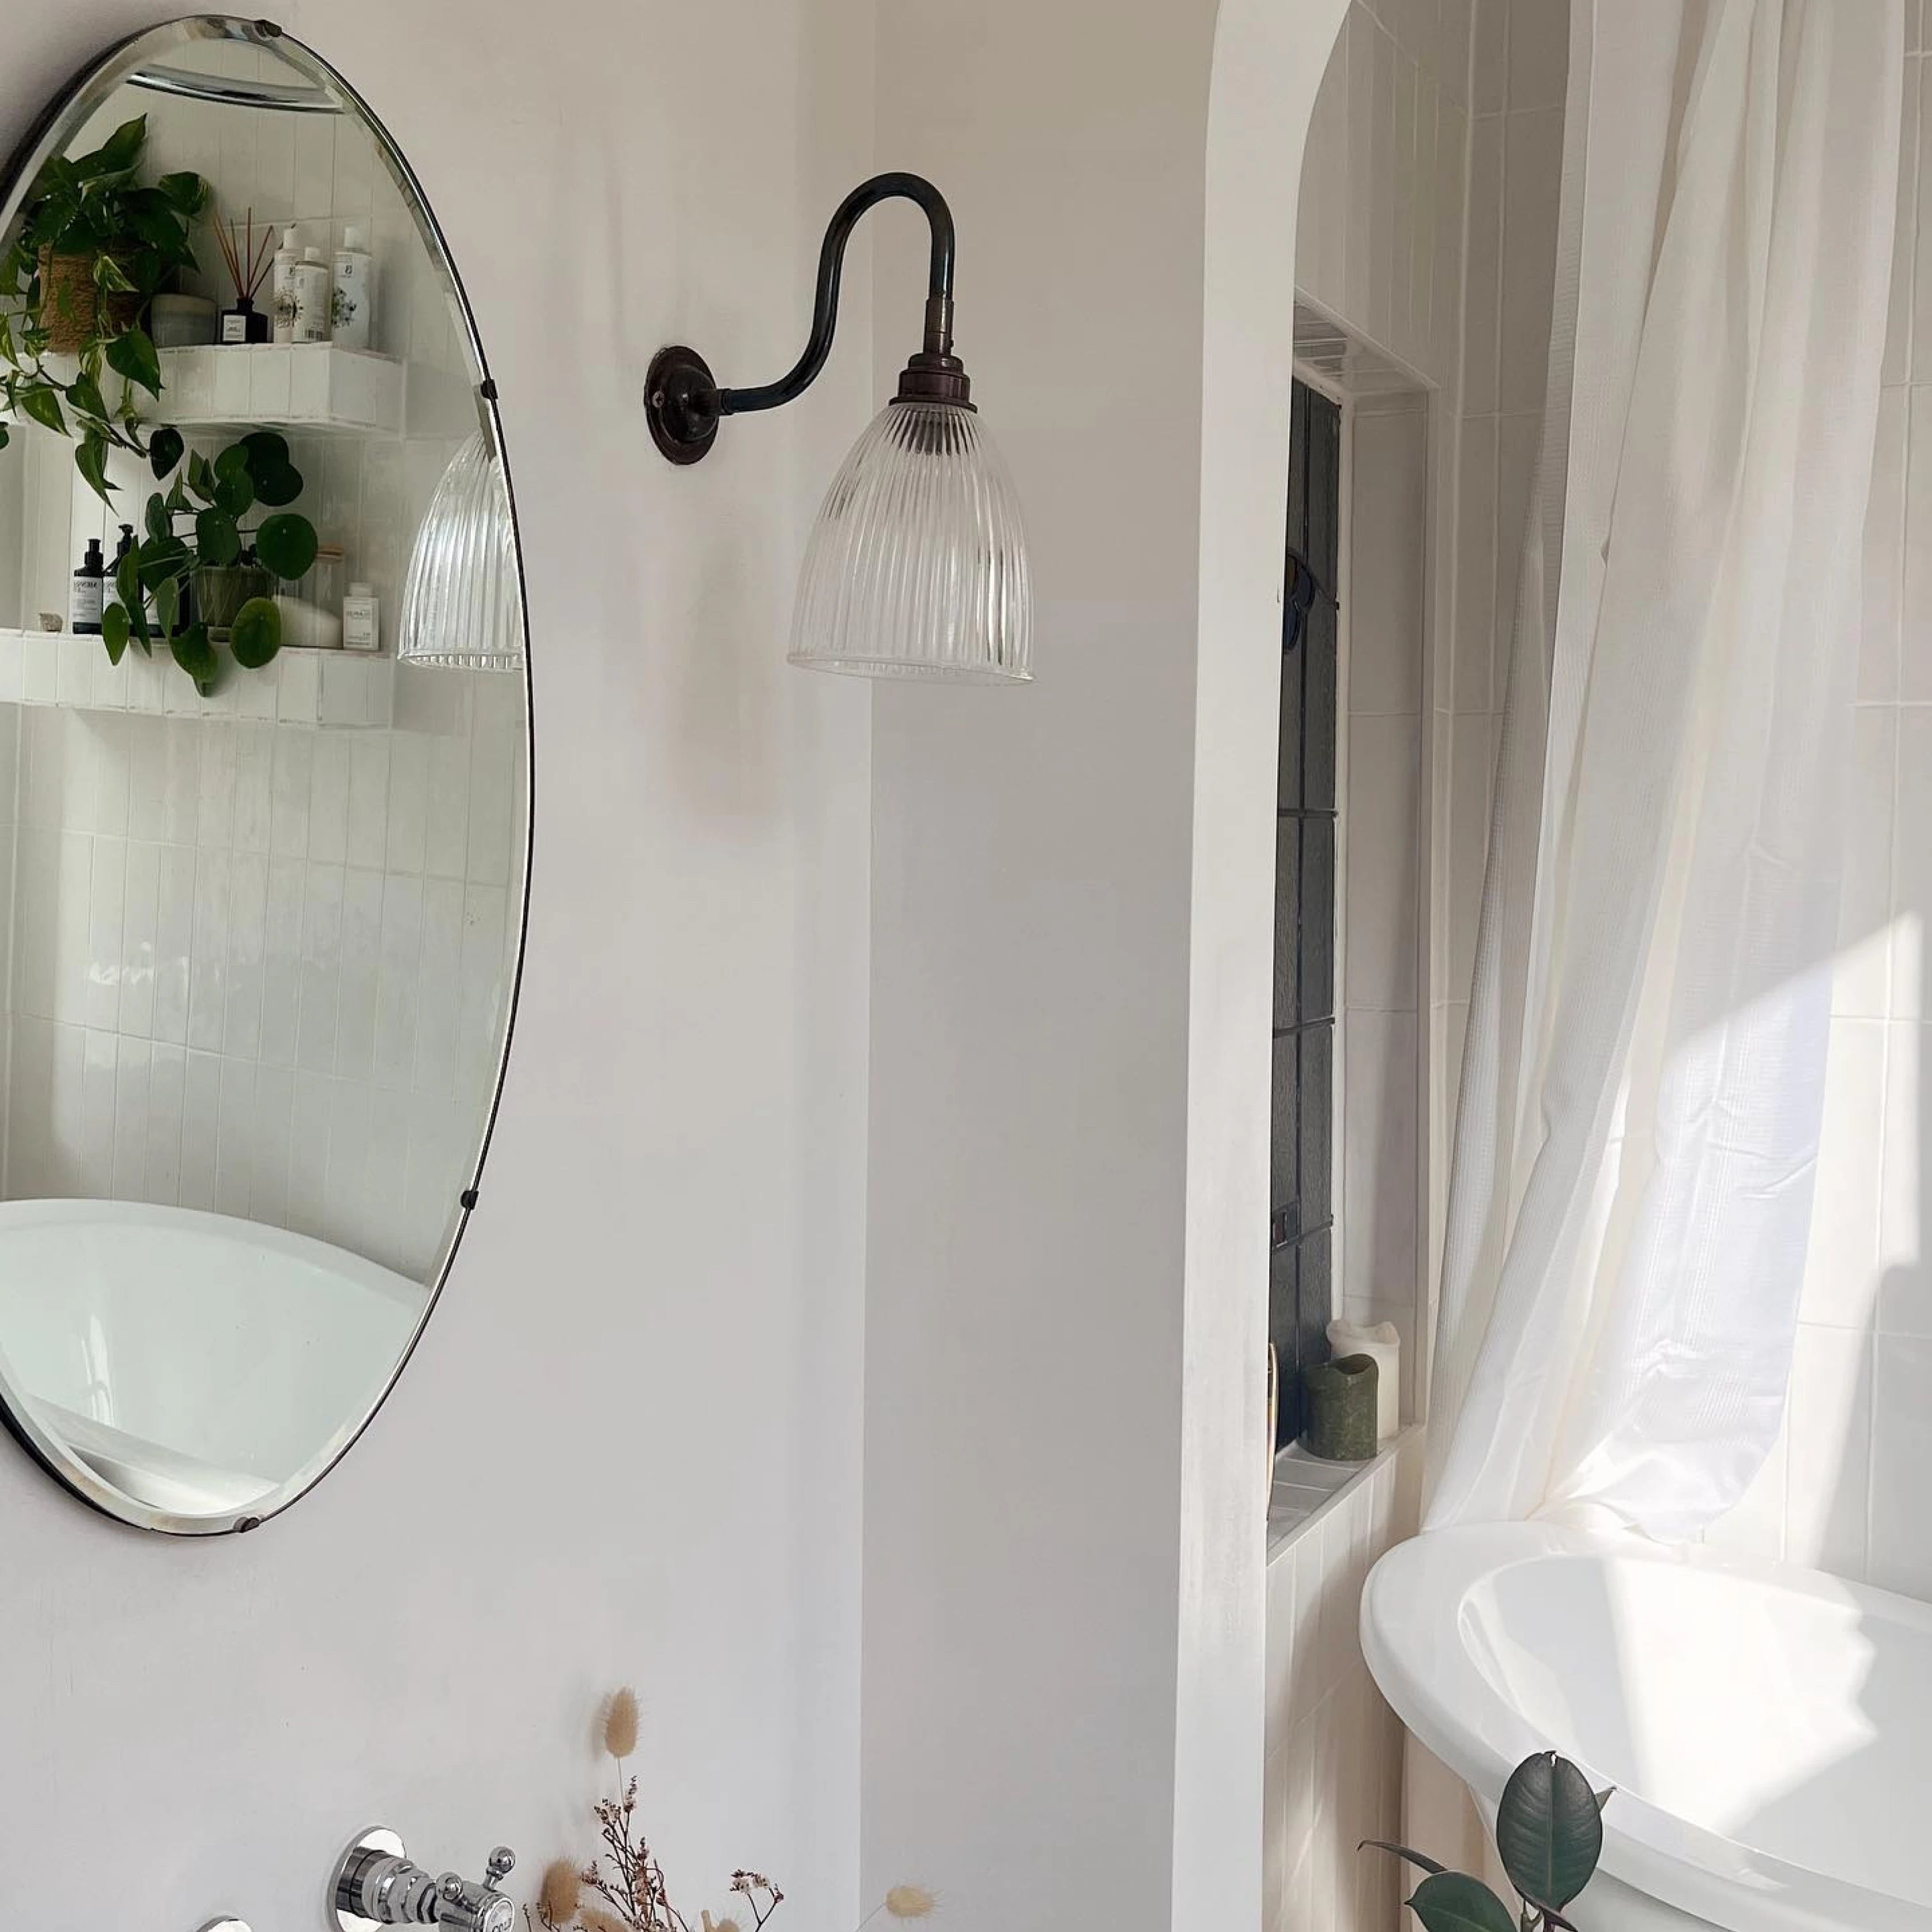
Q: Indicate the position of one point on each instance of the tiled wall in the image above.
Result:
(1334, 1749)
(1518, 71)
(261, 968)
(1845, 1489)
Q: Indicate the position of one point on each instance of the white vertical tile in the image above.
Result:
(493, 808)
(446, 837)
(254, 785)
(288, 802)
(174, 940)
(200, 1129)
(361, 955)
(129, 1181)
(247, 937)
(100, 1062)
(269, 1141)
(321, 968)
(282, 961)
(1533, 176)
(1385, 574)
(397, 982)
(73, 929)
(1861, 980)
(1483, 270)
(1830, 1433)
(1382, 880)
(1381, 1127)
(1882, 584)
(438, 1018)
(208, 957)
(235, 1138)
(1841, 1272)
(369, 755)
(308, 1153)
(1901, 1552)
(1905, 1265)
(408, 813)
(106, 882)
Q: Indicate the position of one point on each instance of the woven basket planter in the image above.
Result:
(73, 310)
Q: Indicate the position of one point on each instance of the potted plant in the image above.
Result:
(1549, 1835)
(96, 244)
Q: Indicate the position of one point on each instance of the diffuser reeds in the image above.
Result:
(248, 261)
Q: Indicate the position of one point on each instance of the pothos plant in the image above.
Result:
(1549, 1835)
(132, 238)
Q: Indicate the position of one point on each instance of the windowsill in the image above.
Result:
(1306, 1488)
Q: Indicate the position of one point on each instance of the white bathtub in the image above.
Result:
(1769, 1730)
(191, 1361)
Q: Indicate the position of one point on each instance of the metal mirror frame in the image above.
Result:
(66, 108)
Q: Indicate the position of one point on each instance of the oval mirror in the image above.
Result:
(264, 774)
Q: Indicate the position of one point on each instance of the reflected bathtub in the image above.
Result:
(191, 1361)
(1769, 1729)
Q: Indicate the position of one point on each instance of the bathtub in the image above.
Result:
(193, 1362)
(1769, 1729)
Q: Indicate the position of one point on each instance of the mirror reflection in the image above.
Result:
(263, 775)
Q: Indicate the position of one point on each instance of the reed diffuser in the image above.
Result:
(248, 260)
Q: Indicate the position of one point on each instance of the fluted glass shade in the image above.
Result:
(917, 565)
(462, 606)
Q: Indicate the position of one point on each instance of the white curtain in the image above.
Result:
(1639, 1110)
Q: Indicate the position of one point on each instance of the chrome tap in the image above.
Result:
(377, 1884)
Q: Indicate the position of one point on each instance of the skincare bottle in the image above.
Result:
(83, 610)
(310, 276)
(353, 309)
(362, 630)
(288, 258)
(110, 593)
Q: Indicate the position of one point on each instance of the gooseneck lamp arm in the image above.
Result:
(684, 403)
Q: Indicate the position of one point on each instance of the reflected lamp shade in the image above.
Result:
(462, 599)
(917, 566)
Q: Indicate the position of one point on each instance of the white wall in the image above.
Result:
(628, 1447)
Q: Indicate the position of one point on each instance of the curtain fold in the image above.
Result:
(1638, 1122)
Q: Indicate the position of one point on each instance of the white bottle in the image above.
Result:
(282, 289)
(361, 628)
(352, 313)
(310, 277)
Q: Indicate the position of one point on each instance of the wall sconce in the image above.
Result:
(917, 566)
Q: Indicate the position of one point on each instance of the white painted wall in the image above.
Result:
(629, 1446)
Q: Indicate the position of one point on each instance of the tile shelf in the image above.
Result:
(313, 386)
(332, 689)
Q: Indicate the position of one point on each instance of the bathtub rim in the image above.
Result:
(20, 1414)
(1438, 1690)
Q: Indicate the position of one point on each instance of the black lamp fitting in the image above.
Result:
(684, 403)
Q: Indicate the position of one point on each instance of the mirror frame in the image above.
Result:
(70, 104)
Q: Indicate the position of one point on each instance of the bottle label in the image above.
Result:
(84, 602)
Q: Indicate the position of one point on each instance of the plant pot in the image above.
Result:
(74, 311)
(220, 593)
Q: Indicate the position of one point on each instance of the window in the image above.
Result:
(1301, 1218)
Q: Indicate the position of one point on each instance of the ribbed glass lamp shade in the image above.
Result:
(917, 565)
(462, 606)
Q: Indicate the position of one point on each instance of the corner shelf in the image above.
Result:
(333, 689)
(307, 385)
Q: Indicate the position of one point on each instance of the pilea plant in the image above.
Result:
(93, 246)
(1549, 1835)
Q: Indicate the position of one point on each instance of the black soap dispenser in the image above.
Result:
(84, 600)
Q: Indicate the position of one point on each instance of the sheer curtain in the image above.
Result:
(1639, 1110)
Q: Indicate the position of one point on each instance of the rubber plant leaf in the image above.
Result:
(1421, 1860)
(1549, 1830)
(1454, 1902)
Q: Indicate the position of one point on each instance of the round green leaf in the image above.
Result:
(286, 544)
(114, 631)
(219, 541)
(262, 450)
(196, 656)
(256, 635)
(164, 449)
(274, 488)
(234, 489)
(160, 525)
(1454, 1902)
(1549, 1830)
